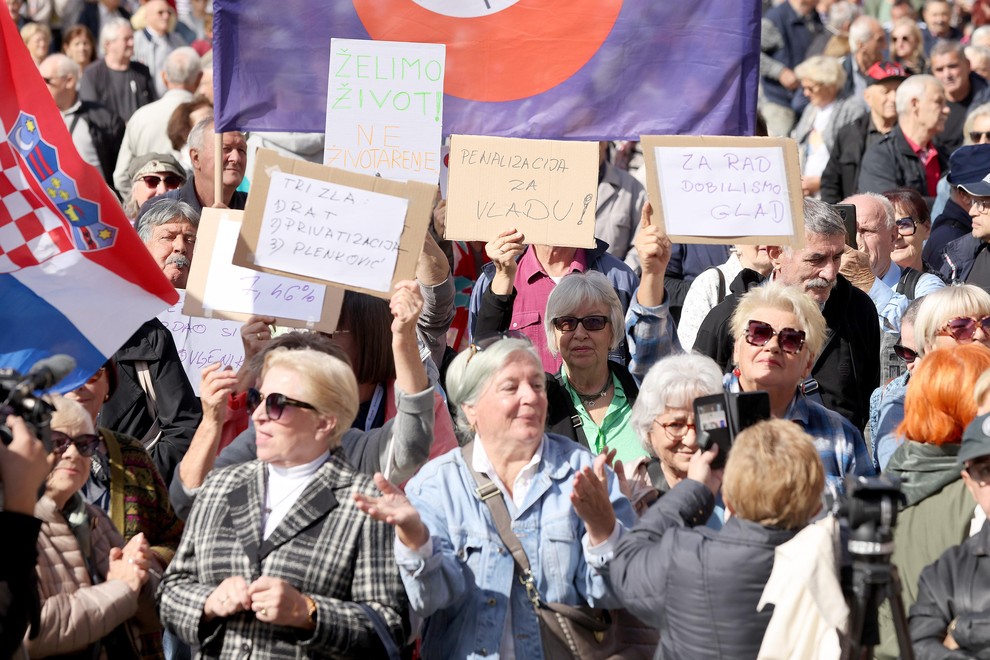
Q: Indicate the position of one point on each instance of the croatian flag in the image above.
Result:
(74, 276)
(568, 69)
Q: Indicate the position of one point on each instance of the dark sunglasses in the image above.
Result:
(978, 136)
(570, 323)
(274, 403)
(171, 181)
(905, 226)
(86, 443)
(980, 472)
(963, 328)
(909, 355)
(759, 333)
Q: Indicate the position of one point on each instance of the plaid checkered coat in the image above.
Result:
(325, 547)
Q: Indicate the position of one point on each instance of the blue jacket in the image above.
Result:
(951, 224)
(464, 588)
(958, 258)
(797, 33)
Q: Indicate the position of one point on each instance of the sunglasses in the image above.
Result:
(570, 323)
(905, 226)
(980, 472)
(979, 136)
(909, 355)
(981, 204)
(480, 344)
(171, 181)
(274, 403)
(963, 328)
(759, 333)
(86, 443)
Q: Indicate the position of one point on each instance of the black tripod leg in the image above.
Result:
(899, 615)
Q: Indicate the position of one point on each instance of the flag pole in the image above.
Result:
(218, 169)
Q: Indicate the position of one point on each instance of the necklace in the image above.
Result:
(590, 400)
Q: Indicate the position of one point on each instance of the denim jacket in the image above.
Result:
(463, 588)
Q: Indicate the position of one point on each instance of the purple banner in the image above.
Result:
(571, 69)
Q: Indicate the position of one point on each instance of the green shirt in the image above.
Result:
(616, 431)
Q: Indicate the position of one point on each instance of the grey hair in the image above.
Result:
(843, 13)
(673, 382)
(64, 65)
(946, 46)
(982, 110)
(980, 34)
(183, 66)
(577, 292)
(861, 30)
(822, 69)
(197, 136)
(821, 218)
(161, 211)
(888, 207)
(473, 369)
(974, 52)
(913, 88)
(111, 29)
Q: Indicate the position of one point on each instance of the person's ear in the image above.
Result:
(469, 413)
(776, 254)
(326, 427)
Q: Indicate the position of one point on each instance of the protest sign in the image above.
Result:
(330, 226)
(218, 289)
(725, 189)
(384, 108)
(547, 189)
(202, 341)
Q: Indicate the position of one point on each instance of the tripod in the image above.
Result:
(874, 578)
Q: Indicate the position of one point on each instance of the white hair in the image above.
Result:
(913, 88)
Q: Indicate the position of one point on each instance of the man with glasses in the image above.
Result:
(966, 259)
(953, 607)
(968, 165)
(152, 175)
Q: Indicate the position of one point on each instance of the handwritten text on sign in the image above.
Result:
(331, 232)
(724, 191)
(203, 341)
(384, 108)
(545, 188)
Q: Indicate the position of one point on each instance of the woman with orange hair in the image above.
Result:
(937, 510)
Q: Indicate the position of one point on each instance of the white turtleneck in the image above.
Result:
(285, 485)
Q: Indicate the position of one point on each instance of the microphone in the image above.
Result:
(46, 373)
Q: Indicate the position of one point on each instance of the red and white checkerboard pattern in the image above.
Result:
(30, 232)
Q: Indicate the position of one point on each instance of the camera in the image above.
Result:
(718, 418)
(17, 396)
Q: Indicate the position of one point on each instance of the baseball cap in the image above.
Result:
(154, 164)
(969, 165)
(976, 439)
(884, 71)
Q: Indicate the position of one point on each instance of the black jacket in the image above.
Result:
(956, 586)
(842, 172)
(179, 409)
(891, 163)
(107, 132)
(19, 600)
(699, 587)
(953, 223)
(847, 369)
(187, 193)
(95, 86)
(563, 418)
(958, 258)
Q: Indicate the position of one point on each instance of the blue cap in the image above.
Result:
(976, 439)
(969, 167)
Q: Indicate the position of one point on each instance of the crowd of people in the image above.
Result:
(506, 454)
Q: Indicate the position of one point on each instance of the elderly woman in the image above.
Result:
(914, 226)
(952, 316)
(38, 39)
(907, 46)
(779, 332)
(663, 418)
(97, 593)
(821, 79)
(567, 508)
(276, 557)
(152, 175)
(937, 510)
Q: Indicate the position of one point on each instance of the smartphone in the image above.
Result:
(711, 423)
(848, 213)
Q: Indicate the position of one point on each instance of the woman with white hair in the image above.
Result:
(822, 79)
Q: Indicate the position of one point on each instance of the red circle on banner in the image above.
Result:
(514, 53)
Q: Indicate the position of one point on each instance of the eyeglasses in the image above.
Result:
(981, 204)
(86, 443)
(759, 333)
(909, 355)
(979, 136)
(274, 403)
(896, 39)
(171, 181)
(906, 226)
(811, 88)
(480, 344)
(980, 472)
(676, 429)
(570, 323)
(963, 328)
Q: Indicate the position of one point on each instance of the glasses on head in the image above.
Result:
(171, 181)
(980, 472)
(274, 403)
(590, 323)
(675, 429)
(981, 204)
(963, 328)
(905, 226)
(979, 136)
(86, 443)
(759, 333)
(909, 355)
(480, 344)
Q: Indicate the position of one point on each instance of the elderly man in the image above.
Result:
(97, 15)
(968, 165)
(147, 131)
(848, 367)
(152, 175)
(116, 81)
(842, 172)
(906, 157)
(979, 60)
(966, 259)
(199, 191)
(788, 29)
(963, 90)
(168, 229)
(96, 132)
(867, 44)
(153, 44)
(937, 15)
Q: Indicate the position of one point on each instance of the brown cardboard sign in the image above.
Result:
(331, 226)
(547, 189)
(218, 289)
(710, 189)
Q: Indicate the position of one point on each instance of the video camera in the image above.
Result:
(17, 396)
(718, 418)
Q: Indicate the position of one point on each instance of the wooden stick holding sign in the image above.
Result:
(725, 189)
(329, 226)
(547, 189)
